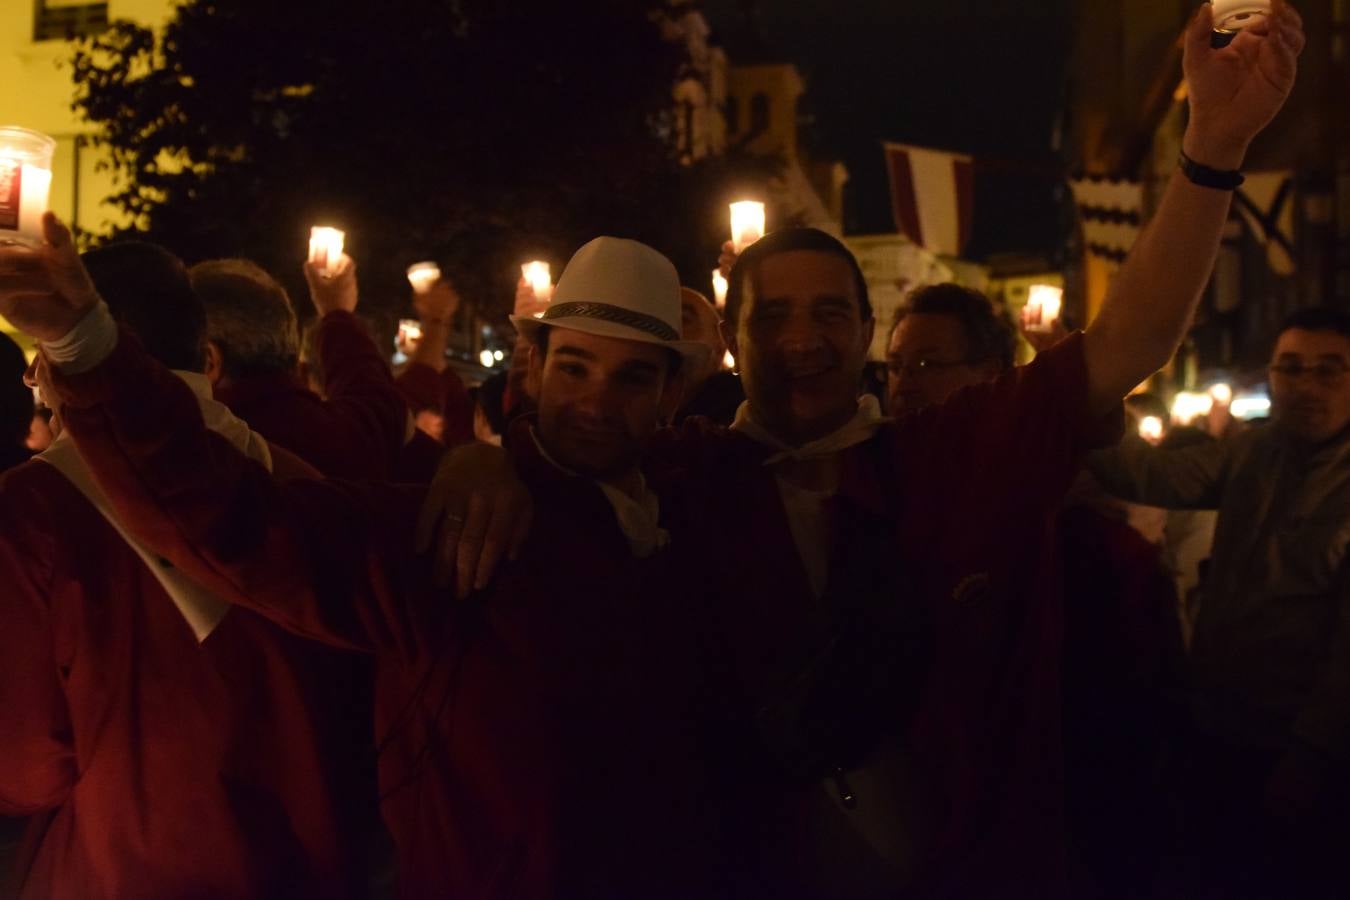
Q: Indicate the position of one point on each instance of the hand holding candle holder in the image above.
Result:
(334, 286)
(325, 249)
(25, 184)
(747, 223)
(423, 275)
(1233, 16)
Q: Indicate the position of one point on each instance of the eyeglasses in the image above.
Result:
(923, 367)
(1326, 373)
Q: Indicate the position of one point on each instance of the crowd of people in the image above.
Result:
(621, 624)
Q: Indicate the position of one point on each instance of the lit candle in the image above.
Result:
(25, 184)
(747, 223)
(423, 275)
(729, 362)
(409, 335)
(1231, 16)
(540, 280)
(1151, 429)
(487, 358)
(1222, 394)
(1188, 406)
(325, 248)
(719, 288)
(1044, 303)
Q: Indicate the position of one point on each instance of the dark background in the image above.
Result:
(985, 78)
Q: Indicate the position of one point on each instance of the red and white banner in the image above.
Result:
(933, 196)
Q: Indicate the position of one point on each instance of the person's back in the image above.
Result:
(159, 762)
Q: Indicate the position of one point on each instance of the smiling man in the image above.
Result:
(1270, 662)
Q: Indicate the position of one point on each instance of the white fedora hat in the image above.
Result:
(619, 289)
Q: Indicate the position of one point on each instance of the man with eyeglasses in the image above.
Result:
(947, 338)
(1269, 756)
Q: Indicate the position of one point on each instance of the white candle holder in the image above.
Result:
(720, 287)
(25, 184)
(423, 275)
(325, 248)
(1044, 304)
(1232, 16)
(747, 223)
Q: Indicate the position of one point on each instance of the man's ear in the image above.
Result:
(214, 363)
(672, 395)
(728, 333)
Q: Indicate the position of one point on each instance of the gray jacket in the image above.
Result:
(1271, 657)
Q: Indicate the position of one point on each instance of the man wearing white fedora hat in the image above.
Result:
(543, 742)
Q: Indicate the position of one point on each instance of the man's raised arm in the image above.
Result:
(306, 554)
(1234, 93)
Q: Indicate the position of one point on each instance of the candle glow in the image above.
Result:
(1189, 406)
(729, 362)
(720, 286)
(325, 248)
(423, 275)
(25, 184)
(540, 280)
(1151, 429)
(1222, 394)
(747, 223)
(1044, 304)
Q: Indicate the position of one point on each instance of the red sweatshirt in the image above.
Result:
(541, 742)
(155, 767)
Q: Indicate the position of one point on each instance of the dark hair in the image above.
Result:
(249, 318)
(988, 335)
(1317, 318)
(16, 398)
(786, 241)
(147, 290)
(540, 340)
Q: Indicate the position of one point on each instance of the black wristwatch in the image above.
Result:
(1210, 178)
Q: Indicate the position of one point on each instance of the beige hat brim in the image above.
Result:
(692, 352)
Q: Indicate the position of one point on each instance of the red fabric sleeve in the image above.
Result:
(365, 411)
(37, 754)
(326, 560)
(1012, 446)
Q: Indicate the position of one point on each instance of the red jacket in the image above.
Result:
(944, 518)
(539, 742)
(155, 767)
(359, 431)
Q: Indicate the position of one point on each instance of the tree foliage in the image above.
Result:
(476, 132)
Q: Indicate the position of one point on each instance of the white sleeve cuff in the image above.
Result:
(89, 343)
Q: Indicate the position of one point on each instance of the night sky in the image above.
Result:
(979, 77)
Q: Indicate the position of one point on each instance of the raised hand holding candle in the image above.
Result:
(1044, 303)
(25, 184)
(325, 248)
(423, 275)
(719, 283)
(747, 223)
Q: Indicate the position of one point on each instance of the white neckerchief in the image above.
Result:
(638, 518)
(201, 608)
(859, 429)
(805, 507)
